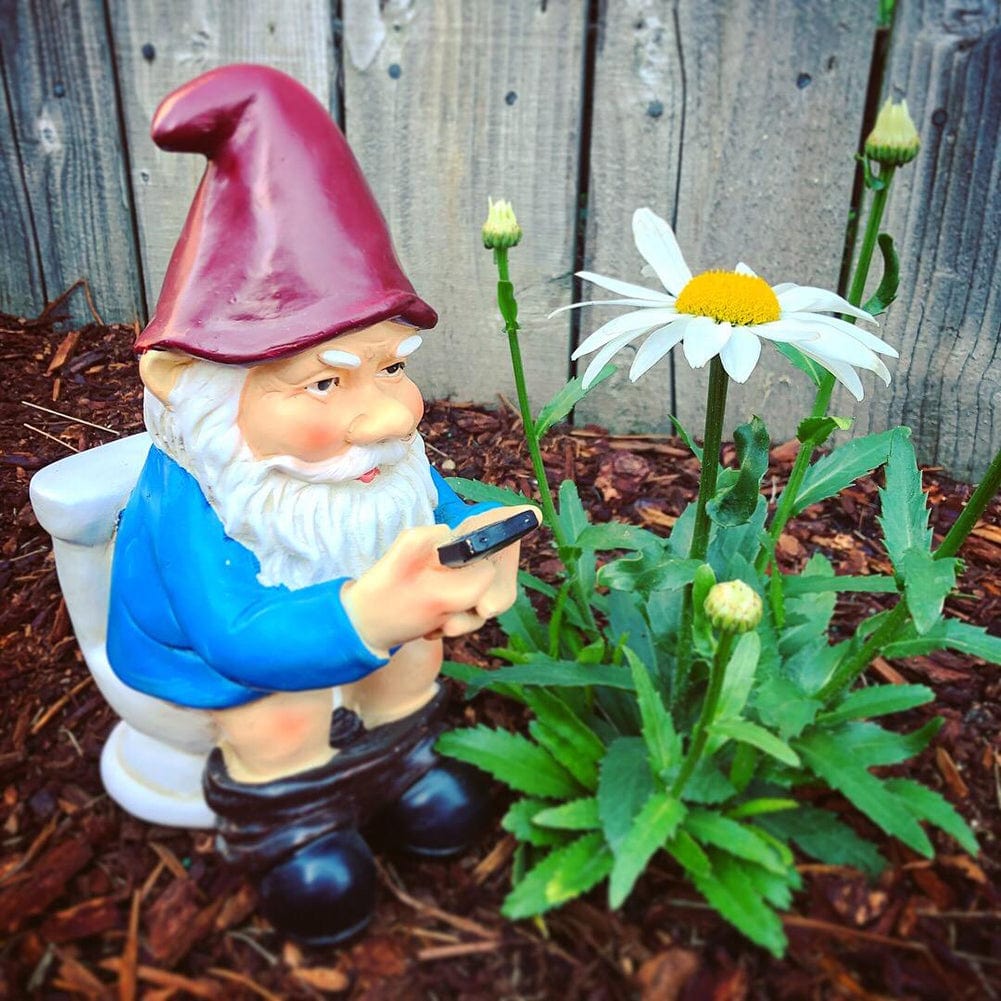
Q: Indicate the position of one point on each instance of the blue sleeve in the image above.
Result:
(451, 509)
(268, 638)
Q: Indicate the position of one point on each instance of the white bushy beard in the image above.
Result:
(305, 522)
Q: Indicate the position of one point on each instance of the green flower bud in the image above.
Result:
(501, 230)
(894, 140)
(733, 606)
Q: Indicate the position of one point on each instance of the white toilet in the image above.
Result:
(152, 762)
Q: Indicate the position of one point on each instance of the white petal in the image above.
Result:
(625, 288)
(600, 302)
(656, 241)
(632, 323)
(849, 329)
(599, 361)
(656, 346)
(743, 269)
(740, 354)
(786, 329)
(805, 297)
(839, 348)
(703, 340)
(783, 287)
(844, 373)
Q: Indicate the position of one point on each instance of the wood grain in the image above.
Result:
(160, 46)
(22, 288)
(58, 61)
(737, 122)
(945, 214)
(448, 103)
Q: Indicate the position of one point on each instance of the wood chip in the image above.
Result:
(91, 917)
(127, 974)
(663, 977)
(950, 773)
(323, 978)
(49, 876)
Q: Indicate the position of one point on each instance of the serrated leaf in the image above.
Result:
(624, 785)
(563, 750)
(708, 784)
(831, 473)
(807, 615)
(661, 738)
(629, 627)
(566, 399)
(520, 622)
(782, 704)
(927, 583)
(554, 674)
(814, 431)
(555, 714)
(796, 584)
(948, 634)
(735, 838)
(926, 804)
(904, 507)
(687, 852)
(829, 759)
(511, 759)
(757, 736)
(477, 491)
(823, 836)
(519, 821)
(563, 874)
(868, 744)
(878, 700)
(572, 515)
(887, 290)
(577, 815)
(738, 676)
(617, 535)
(735, 505)
(656, 823)
(648, 572)
(806, 365)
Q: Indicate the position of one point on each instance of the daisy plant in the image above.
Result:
(683, 690)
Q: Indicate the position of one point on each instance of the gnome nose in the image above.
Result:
(384, 419)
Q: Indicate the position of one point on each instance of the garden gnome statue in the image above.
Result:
(277, 562)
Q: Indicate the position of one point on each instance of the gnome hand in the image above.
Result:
(408, 594)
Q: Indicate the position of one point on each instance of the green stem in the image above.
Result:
(869, 240)
(700, 735)
(970, 514)
(719, 383)
(532, 439)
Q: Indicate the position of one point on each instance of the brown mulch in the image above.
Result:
(95, 904)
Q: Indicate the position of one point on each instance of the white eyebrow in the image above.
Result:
(407, 347)
(340, 359)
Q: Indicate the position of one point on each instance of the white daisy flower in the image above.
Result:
(724, 313)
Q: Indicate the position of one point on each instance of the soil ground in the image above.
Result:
(95, 904)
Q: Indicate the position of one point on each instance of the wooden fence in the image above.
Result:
(735, 119)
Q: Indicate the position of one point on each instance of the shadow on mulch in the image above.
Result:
(95, 904)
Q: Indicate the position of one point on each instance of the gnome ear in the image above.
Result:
(159, 371)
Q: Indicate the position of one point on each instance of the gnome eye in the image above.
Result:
(394, 369)
(322, 387)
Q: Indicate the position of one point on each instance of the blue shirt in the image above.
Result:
(189, 621)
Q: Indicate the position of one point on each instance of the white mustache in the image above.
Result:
(355, 462)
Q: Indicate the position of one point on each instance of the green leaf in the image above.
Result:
(806, 365)
(708, 784)
(904, 507)
(476, 491)
(739, 676)
(557, 742)
(782, 704)
(556, 715)
(735, 506)
(572, 515)
(628, 625)
(737, 839)
(577, 815)
(868, 744)
(687, 852)
(823, 836)
(655, 824)
(520, 622)
(948, 634)
(702, 630)
(686, 437)
(507, 303)
(519, 821)
(829, 758)
(796, 584)
(762, 805)
(757, 736)
(566, 399)
(616, 535)
(831, 473)
(563, 874)
(554, 674)
(510, 758)
(807, 615)
(878, 700)
(730, 890)
(814, 431)
(661, 738)
(927, 583)
(648, 572)
(624, 785)
(926, 804)
(887, 290)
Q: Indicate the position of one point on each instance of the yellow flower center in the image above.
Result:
(728, 296)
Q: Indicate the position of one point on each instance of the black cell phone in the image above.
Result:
(483, 541)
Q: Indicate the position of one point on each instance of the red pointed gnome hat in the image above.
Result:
(284, 245)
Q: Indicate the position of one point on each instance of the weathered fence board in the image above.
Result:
(22, 289)
(159, 47)
(445, 104)
(946, 215)
(737, 121)
(64, 111)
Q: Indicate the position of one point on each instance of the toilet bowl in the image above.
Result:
(152, 762)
